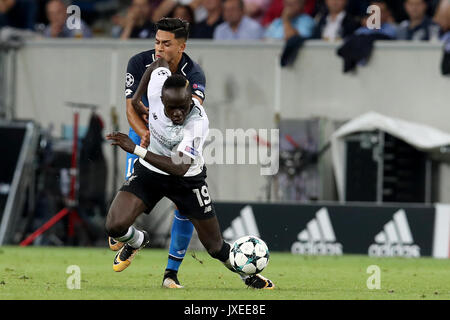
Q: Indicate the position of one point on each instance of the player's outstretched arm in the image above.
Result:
(161, 162)
(143, 84)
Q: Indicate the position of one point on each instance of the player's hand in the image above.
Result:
(140, 109)
(145, 140)
(121, 140)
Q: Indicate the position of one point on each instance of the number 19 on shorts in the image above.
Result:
(202, 196)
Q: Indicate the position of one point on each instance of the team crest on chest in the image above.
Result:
(175, 132)
(175, 135)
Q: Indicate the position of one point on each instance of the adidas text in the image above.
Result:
(320, 249)
(396, 250)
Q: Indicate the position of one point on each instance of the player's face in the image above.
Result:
(167, 47)
(177, 105)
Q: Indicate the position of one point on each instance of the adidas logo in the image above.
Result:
(395, 240)
(243, 225)
(318, 238)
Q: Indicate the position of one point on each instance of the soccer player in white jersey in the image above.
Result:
(172, 166)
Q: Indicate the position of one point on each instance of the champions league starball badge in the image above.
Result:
(129, 80)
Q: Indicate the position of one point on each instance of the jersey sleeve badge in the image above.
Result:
(129, 80)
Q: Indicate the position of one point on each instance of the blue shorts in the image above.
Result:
(131, 157)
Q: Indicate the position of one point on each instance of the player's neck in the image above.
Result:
(173, 66)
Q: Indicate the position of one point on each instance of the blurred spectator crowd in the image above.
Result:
(329, 20)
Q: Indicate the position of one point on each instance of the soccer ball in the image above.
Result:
(249, 255)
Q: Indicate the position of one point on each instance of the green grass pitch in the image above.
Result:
(40, 273)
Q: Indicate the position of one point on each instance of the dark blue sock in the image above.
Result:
(181, 235)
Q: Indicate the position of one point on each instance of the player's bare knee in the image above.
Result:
(115, 228)
(114, 231)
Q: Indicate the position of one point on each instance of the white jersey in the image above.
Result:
(166, 138)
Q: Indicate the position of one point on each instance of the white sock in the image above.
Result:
(137, 240)
(133, 237)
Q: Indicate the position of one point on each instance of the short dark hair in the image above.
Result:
(178, 27)
(177, 81)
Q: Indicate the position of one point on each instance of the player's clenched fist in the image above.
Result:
(121, 140)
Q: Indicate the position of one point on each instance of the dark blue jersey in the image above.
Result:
(187, 67)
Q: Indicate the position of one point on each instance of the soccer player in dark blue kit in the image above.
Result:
(170, 43)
